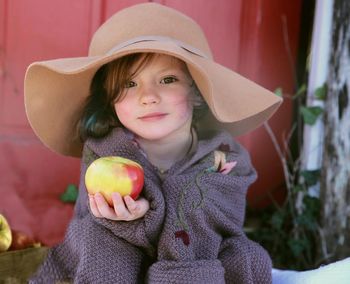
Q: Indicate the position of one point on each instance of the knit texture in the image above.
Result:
(191, 234)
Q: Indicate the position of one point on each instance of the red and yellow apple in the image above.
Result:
(5, 234)
(114, 174)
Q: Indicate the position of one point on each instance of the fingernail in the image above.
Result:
(128, 198)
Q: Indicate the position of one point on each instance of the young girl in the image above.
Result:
(143, 93)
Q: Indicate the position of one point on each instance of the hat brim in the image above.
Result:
(56, 91)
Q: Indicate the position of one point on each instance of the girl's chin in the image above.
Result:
(151, 136)
(154, 134)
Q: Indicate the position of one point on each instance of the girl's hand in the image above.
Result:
(123, 210)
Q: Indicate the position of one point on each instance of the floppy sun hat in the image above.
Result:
(56, 90)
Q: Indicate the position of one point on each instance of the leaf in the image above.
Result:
(312, 206)
(298, 188)
(311, 177)
(297, 246)
(279, 92)
(70, 195)
(321, 92)
(300, 91)
(310, 114)
(306, 220)
(277, 220)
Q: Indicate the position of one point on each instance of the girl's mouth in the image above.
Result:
(153, 116)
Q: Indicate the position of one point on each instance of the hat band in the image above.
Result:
(181, 44)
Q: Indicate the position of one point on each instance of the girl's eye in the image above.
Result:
(168, 80)
(129, 84)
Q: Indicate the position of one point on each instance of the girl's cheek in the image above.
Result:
(180, 98)
(185, 102)
(121, 110)
(184, 108)
(124, 104)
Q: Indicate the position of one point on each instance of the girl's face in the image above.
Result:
(157, 103)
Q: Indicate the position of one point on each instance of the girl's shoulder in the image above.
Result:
(216, 147)
(105, 146)
(221, 140)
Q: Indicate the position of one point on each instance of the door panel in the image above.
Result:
(31, 176)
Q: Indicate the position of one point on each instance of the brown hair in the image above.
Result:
(118, 73)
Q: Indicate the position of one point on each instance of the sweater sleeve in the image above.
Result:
(186, 272)
(226, 190)
(245, 261)
(142, 232)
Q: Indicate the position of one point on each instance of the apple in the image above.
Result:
(114, 174)
(20, 240)
(5, 234)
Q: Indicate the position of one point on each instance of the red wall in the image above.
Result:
(247, 36)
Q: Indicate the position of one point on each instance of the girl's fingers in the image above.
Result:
(124, 209)
(119, 207)
(131, 204)
(137, 208)
(103, 207)
(144, 206)
(93, 207)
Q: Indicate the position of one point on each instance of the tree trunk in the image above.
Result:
(335, 180)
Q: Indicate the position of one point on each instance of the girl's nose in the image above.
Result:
(149, 95)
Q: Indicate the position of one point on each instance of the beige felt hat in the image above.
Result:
(55, 90)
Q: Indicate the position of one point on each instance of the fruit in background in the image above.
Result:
(114, 174)
(21, 241)
(5, 234)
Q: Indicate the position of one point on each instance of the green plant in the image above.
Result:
(290, 230)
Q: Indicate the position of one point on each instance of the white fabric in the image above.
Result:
(334, 273)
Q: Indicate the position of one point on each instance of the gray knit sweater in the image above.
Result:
(191, 234)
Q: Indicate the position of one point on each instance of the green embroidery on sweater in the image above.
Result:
(181, 222)
(202, 191)
(218, 159)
